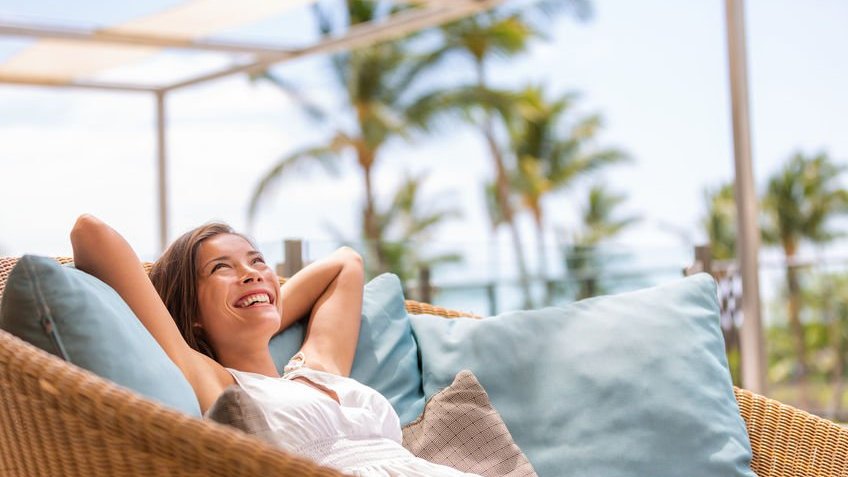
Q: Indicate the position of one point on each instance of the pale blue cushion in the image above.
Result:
(633, 385)
(77, 317)
(386, 355)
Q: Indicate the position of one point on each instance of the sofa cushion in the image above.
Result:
(77, 317)
(461, 429)
(629, 385)
(386, 354)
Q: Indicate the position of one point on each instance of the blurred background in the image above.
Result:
(530, 154)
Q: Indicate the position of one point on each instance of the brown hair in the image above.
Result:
(174, 276)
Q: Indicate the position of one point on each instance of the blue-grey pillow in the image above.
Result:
(631, 385)
(75, 316)
(386, 354)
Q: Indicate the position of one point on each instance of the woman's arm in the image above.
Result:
(101, 251)
(330, 290)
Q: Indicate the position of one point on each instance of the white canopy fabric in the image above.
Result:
(54, 60)
(70, 55)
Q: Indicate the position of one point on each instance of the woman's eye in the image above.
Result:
(259, 259)
(217, 266)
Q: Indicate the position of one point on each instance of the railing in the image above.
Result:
(487, 283)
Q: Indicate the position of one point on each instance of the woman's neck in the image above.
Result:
(257, 361)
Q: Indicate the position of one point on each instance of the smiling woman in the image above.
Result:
(213, 304)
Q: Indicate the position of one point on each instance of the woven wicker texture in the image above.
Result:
(59, 420)
(790, 442)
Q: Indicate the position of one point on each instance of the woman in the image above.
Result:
(220, 305)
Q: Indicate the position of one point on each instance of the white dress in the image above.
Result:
(359, 435)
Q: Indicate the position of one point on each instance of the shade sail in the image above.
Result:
(70, 55)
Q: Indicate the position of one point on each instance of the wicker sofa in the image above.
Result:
(59, 420)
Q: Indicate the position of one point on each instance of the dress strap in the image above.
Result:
(296, 362)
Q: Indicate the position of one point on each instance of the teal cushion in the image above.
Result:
(77, 317)
(386, 354)
(631, 385)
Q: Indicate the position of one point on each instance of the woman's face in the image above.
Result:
(238, 293)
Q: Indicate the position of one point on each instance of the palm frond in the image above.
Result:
(292, 90)
(326, 156)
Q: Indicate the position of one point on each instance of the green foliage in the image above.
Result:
(378, 83)
(406, 224)
(553, 146)
(801, 199)
(720, 221)
(600, 222)
(800, 202)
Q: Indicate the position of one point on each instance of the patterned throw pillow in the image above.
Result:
(460, 428)
(234, 407)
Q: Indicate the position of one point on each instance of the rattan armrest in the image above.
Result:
(790, 442)
(59, 420)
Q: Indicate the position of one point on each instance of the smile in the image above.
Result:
(253, 299)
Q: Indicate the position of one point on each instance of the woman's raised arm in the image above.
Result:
(101, 251)
(330, 290)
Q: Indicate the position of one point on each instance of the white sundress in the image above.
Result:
(359, 435)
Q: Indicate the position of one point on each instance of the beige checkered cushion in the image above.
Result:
(460, 428)
(234, 407)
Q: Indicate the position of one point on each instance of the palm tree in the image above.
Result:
(800, 201)
(552, 155)
(501, 33)
(599, 223)
(406, 223)
(377, 81)
(828, 298)
(720, 221)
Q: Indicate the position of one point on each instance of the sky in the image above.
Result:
(655, 70)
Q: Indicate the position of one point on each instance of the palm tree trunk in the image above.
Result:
(369, 218)
(797, 329)
(836, 346)
(543, 255)
(502, 195)
(837, 342)
(591, 283)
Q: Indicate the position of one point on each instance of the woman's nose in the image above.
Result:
(251, 275)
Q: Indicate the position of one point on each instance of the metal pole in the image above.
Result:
(161, 164)
(753, 355)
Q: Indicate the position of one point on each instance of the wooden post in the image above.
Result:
(703, 261)
(425, 290)
(493, 299)
(704, 255)
(293, 253)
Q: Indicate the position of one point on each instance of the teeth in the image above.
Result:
(251, 299)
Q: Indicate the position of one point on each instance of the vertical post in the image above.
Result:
(161, 164)
(753, 356)
(704, 256)
(492, 296)
(425, 291)
(293, 253)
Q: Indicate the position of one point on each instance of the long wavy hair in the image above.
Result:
(175, 275)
